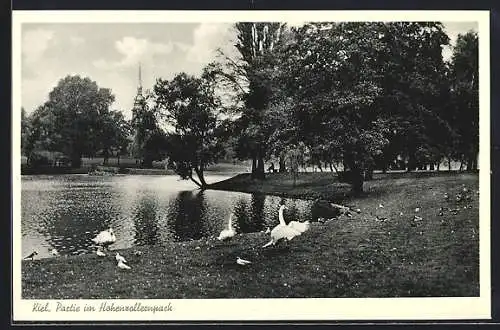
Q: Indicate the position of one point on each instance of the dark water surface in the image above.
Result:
(66, 211)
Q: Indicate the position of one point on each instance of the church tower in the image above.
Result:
(139, 98)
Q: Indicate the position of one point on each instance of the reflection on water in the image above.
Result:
(65, 212)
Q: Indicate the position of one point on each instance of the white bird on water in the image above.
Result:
(242, 262)
(121, 265)
(105, 238)
(282, 230)
(119, 258)
(229, 232)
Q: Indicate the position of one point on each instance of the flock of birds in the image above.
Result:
(282, 231)
(102, 240)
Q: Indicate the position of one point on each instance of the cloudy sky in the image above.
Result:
(110, 54)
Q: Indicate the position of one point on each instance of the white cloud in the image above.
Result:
(134, 50)
(207, 37)
(76, 41)
(35, 43)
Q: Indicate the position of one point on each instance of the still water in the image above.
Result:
(66, 211)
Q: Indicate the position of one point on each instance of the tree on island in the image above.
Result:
(190, 107)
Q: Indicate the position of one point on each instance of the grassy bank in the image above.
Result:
(381, 252)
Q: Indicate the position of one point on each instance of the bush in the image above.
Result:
(37, 160)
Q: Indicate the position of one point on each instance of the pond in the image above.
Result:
(66, 211)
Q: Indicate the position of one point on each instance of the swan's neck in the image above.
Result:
(230, 225)
(280, 216)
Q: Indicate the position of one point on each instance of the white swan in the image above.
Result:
(282, 230)
(229, 232)
(299, 226)
(242, 262)
(119, 258)
(121, 265)
(105, 238)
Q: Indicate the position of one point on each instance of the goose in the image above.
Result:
(100, 253)
(242, 262)
(121, 265)
(105, 238)
(229, 232)
(31, 256)
(119, 258)
(282, 230)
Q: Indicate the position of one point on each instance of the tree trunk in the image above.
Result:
(76, 160)
(254, 167)
(201, 177)
(118, 159)
(356, 180)
(282, 166)
(355, 177)
(147, 162)
(260, 174)
(449, 164)
(431, 167)
(437, 166)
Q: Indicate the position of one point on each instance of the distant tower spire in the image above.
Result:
(139, 89)
(139, 98)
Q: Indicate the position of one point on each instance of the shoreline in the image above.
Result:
(361, 249)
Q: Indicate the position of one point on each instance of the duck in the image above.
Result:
(282, 230)
(119, 258)
(242, 262)
(229, 232)
(105, 238)
(121, 265)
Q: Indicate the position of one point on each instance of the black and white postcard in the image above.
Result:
(251, 165)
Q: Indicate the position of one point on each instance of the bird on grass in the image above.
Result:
(299, 226)
(119, 257)
(229, 232)
(105, 238)
(242, 262)
(100, 253)
(121, 265)
(31, 256)
(282, 230)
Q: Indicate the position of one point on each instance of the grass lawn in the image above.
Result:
(376, 253)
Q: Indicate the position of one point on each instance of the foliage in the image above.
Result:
(190, 106)
(149, 141)
(464, 116)
(69, 121)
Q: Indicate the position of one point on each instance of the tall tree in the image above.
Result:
(69, 121)
(114, 134)
(465, 98)
(252, 74)
(148, 138)
(331, 77)
(191, 107)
